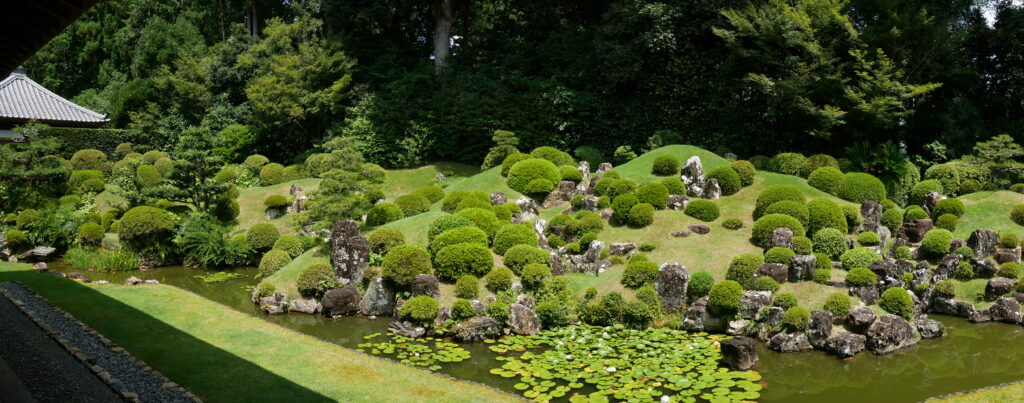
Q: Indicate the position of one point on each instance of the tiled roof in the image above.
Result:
(22, 98)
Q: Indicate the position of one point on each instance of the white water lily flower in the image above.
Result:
(610, 369)
(665, 399)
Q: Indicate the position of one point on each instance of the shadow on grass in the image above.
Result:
(207, 371)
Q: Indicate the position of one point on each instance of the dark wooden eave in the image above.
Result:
(27, 25)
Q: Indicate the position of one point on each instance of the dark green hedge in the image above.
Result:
(79, 138)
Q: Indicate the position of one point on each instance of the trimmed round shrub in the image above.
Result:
(649, 296)
(838, 304)
(556, 156)
(641, 215)
(144, 228)
(948, 206)
(89, 233)
(861, 277)
(1008, 239)
(123, 149)
(456, 260)
(262, 236)
(293, 172)
(964, 271)
(499, 311)
(614, 187)
(914, 213)
(639, 273)
(947, 174)
(404, 262)
(704, 210)
(897, 301)
(822, 276)
(732, 223)
(665, 165)
(498, 280)
(892, 218)
(936, 243)
(570, 173)
(271, 174)
(447, 222)
(779, 254)
(383, 213)
(761, 162)
(674, 186)
(460, 199)
(816, 162)
(165, 166)
(319, 163)
(467, 286)
(290, 244)
(273, 261)
(852, 214)
(512, 159)
(765, 284)
(525, 172)
(902, 252)
(944, 289)
(383, 239)
(700, 285)
(743, 267)
(226, 209)
(519, 256)
(924, 187)
(764, 227)
(784, 300)
(148, 176)
(90, 158)
(970, 186)
(824, 213)
(788, 163)
(412, 204)
(502, 213)
(432, 193)
(539, 187)
(510, 235)
(482, 218)
(534, 275)
(947, 222)
(1017, 187)
(78, 178)
(456, 236)
(859, 187)
(724, 298)
(774, 194)
(831, 242)
(828, 179)
(654, 194)
(796, 318)
(462, 309)
(1009, 270)
(276, 201)
(1017, 214)
(868, 238)
(859, 258)
(421, 310)
(727, 178)
(621, 207)
(791, 208)
(802, 245)
(746, 172)
(315, 279)
(552, 314)
(151, 156)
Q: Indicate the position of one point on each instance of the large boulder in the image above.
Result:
(498, 198)
(999, 286)
(768, 322)
(378, 300)
(426, 284)
(891, 333)
(477, 328)
(739, 353)
(528, 207)
(274, 304)
(522, 320)
(1005, 310)
(983, 242)
(845, 344)
(350, 252)
(693, 177)
(712, 190)
(930, 200)
(819, 328)
(867, 294)
(780, 238)
(752, 303)
(1004, 255)
(802, 268)
(557, 265)
(740, 327)
(913, 231)
(696, 315)
(871, 213)
(984, 268)
(777, 271)
(621, 248)
(859, 319)
(678, 202)
(671, 285)
(929, 328)
(342, 301)
(789, 342)
(947, 267)
(589, 262)
(308, 306)
(952, 307)
(406, 328)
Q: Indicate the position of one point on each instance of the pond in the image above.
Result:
(972, 356)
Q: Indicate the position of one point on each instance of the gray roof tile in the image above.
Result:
(22, 98)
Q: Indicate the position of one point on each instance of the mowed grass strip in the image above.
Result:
(224, 355)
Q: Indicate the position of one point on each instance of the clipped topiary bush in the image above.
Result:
(868, 238)
(316, 279)
(404, 262)
(556, 156)
(700, 285)
(785, 300)
(897, 301)
(621, 207)
(462, 309)
(1017, 188)
(271, 174)
(519, 256)
(90, 158)
(89, 234)
(861, 277)
(432, 193)
(924, 187)
(902, 252)
(512, 159)
(1009, 270)
(947, 222)
(447, 222)
(838, 304)
(936, 243)
(412, 204)
(639, 273)
(383, 213)
(482, 218)
(761, 162)
(1008, 239)
(787, 163)
(456, 260)
(964, 271)
(764, 227)
(724, 298)
(774, 194)
(1017, 214)
(853, 219)
(892, 218)
(458, 235)
(728, 180)
(791, 208)
(746, 172)
(524, 172)
(533, 276)
(509, 235)
(859, 258)
(570, 173)
(765, 284)
(641, 215)
(665, 165)
(498, 280)
(704, 210)
(831, 242)
(539, 186)
(383, 239)
(816, 162)
(145, 228)
(970, 186)
(948, 206)
(779, 255)
(654, 194)
(944, 289)
(802, 245)
(467, 286)
(273, 261)
(859, 187)
(290, 244)
(262, 236)
(674, 186)
(276, 201)
(828, 179)
(947, 174)
(148, 176)
(421, 310)
(795, 319)
(743, 267)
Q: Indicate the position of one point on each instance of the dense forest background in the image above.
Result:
(420, 80)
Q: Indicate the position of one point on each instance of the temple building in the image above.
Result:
(23, 100)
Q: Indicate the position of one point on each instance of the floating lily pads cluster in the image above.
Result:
(217, 277)
(598, 364)
(428, 352)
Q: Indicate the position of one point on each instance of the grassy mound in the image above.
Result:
(989, 210)
(284, 280)
(251, 208)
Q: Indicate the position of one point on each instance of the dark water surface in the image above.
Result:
(971, 356)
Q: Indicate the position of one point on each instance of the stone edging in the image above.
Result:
(966, 392)
(77, 353)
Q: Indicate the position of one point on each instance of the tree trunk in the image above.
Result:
(442, 32)
(254, 26)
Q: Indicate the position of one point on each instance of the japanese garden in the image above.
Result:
(404, 200)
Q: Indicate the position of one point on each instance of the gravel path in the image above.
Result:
(45, 370)
(130, 373)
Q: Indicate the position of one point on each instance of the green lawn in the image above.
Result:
(223, 355)
(403, 181)
(252, 210)
(1009, 393)
(989, 210)
(284, 280)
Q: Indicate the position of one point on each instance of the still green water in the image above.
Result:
(972, 356)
